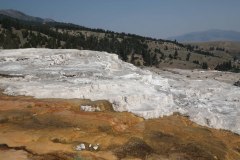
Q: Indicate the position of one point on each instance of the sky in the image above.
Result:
(152, 18)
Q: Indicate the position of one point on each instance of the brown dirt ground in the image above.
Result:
(49, 129)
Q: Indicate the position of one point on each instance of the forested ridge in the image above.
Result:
(132, 48)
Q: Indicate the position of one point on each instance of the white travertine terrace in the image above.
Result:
(46, 73)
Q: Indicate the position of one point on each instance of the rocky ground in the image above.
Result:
(40, 129)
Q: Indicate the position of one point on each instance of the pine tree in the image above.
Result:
(175, 54)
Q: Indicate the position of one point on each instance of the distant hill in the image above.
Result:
(209, 35)
(22, 16)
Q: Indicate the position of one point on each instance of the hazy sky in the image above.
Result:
(155, 18)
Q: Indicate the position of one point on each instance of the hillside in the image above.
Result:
(209, 35)
(140, 51)
(229, 47)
